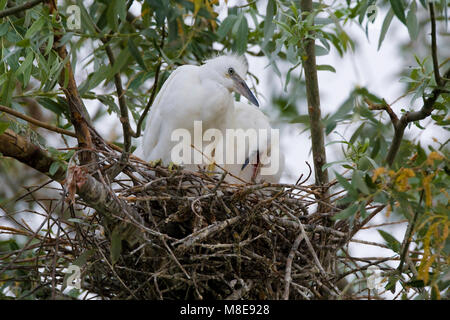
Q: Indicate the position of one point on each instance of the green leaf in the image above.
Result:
(8, 88)
(226, 26)
(136, 54)
(25, 68)
(242, 36)
(52, 105)
(399, 10)
(358, 182)
(415, 283)
(411, 22)
(268, 20)
(35, 27)
(390, 286)
(326, 67)
(346, 185)
(116, 246)
(386, 23)
(54, 167)
(111, 14)
(346, 213)
(391, 242)
(3, 126)
(4, 27)
(86, 19)
(321, 51)
(121, 60)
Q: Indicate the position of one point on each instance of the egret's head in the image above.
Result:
(230, 71)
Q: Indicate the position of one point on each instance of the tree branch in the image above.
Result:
(94, 193)
(154, 88)
(47, 126)
(313, 97)
(17, 147)
(38, 123)
(14, 10)
(408, 117)
(383, 106)
(124, 119)
(79, 116)
(437, 77)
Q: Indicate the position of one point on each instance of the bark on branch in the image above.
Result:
(14, 10)
(313, 97)
(94, 193)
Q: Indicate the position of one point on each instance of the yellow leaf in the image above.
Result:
(197, 6)
(402, 178)
(377, 172)
(433, 156)
(427, 188)
(388, 210)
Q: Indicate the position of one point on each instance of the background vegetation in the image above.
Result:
(120, 60)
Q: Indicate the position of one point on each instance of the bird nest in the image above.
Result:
(177, 234)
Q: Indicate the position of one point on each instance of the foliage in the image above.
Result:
(148, 46)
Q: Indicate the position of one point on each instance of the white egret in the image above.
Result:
(193, 93)
(262, 155)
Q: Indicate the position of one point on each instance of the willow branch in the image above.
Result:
(313, 97)
(94, 193)
(17, 147)
(437, 77)
(25, 6)
(48, 126)
(38, 123)
(408, 117)
(154, 88)
(124, 118)
(79, 116)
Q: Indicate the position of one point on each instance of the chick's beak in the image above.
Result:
(241, 87)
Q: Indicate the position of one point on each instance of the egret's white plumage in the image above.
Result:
(246, 117)
(193, 93)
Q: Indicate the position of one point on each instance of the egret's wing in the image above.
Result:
(153, 123)
(166, 102)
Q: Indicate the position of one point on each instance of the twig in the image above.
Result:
(383, 106)
(37, 122)
(437, 76)
(154, 88)
(287, 276)
(25, 6)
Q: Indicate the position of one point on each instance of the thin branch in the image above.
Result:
(36, 122)
(408, 117)
(47, 126)
(25, 6)
(79, 116)
(313, 97)
(383, 106)
(428, 105)
(437, 77)
(408, 234)
(154, 87)
(124, 119)
(288, 276)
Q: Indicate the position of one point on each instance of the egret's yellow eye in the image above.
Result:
(230, 71)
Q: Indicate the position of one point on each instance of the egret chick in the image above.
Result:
(247, 117)
(193, 93)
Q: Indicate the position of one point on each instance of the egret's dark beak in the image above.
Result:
(241, 87)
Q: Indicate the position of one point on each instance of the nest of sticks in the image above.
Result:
(184, 235)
